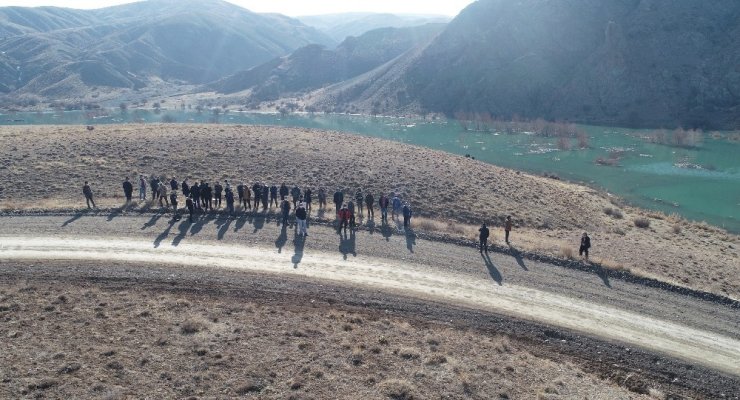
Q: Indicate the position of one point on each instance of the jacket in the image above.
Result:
(484, 232)
(300, 213)
(338, 197)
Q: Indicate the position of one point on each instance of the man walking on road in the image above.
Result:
(128, 189)
(483, 237)
(87, 191)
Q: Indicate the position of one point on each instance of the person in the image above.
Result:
(369, 200)
(273, 195)
(230, 200)
(585, 245)
(383, 203)
(307, 194)
(300, 218)
(218, 191)
(322, 198)
(396, 202)
(344, 216)
(338, 199)
(285, 208)
(483, 237)
(247, 197)
(163, 194)
(87, 191)
(185, 188)
(295, 193)
(155, 187)
(240, 193)
(257, 189)
(359, 198)
(407, 215)
(173, 184)
(507, 227)
(191, 207)
(351, 208)
(173, 201)
(265, 197)
(195, 194)
(206, 196)
(283, 191)
(142, 187)
(128, 189)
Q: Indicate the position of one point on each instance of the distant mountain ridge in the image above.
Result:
(343, 25)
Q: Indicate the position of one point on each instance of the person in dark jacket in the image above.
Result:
(257, 190)
(173, 201)
(285, 208)
(195, 194)
(383, 203)
(338, 200)
(274, 195)
(352, 220)
(142, 187)
(230, 200)
(128, 189)
(407, 212)
(483, 237)
(507, 227)
(585, 245)
(359, 198)
(369, 201)
(322, 198)
(300, 217)
(185, 188)
(191, 207)
(307, 199)
(154, 184)
(283, 191)
(173, 184)
(87, 191)
(240, 193)
(218, 191)
(247, 197)
(295, 193)
(206, 196)
(265, 197)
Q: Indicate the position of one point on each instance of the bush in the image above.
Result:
(642, 222)
(676, 229)
(566, 252)
(617, 214)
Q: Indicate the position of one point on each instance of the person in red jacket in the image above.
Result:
(344, 217)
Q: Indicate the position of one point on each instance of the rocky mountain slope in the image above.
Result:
(341, 26)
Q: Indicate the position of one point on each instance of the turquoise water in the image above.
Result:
(701, 184)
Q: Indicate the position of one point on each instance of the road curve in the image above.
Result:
(713, 350)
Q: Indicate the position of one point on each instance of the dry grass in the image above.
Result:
(48, 164)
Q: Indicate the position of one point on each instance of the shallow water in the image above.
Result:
(701, 184)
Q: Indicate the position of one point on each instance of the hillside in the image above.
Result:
(314, 66)
(631, 63)
(56, 53)
(343, 25)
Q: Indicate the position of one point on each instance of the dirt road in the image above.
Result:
(687, 329)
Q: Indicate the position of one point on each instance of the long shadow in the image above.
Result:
(602, 273)
(492, 270)
(410, 240)
(299, 243)
(371, 226)
(282, 239)
(240, 222)
(116, 212)
(386, 231)
(518, 257)
(347, 245)
(162, 236)
(224, 227)
(259, 222)
(200, 221)
(152, 221)
(182, 232)
(75, 217)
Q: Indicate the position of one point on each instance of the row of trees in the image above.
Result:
(484, 122)
(678, 137)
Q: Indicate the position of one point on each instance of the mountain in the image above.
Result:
(314, 66)
(343, 25)
(61, 52)
(644, 63)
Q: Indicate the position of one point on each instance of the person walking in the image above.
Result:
(274, 195)
(295, 193)
(218, 191)
(230, 200)
(173, 201)
(307, 198)
(322, 198)
(383, 203)
(407, 212)
(369, 201)
(359, 198)
(128, 189)
(284, 191)
(142, 187)
(300, 216)
(338, 200)
(195, 194)
(507, 227)
(344, 217)
(191, 207)
(585, 245)
(87, 191)
(163, 194)
(396, 203)
(257, 190)
(483, 237)
(173, 184)
(285, 208)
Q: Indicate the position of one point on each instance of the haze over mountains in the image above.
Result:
(618, 62)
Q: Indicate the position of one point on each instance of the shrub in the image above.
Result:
(642, 222)
(676, 229)
(608, 210)
(566, 252)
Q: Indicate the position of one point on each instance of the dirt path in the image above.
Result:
(714, 350)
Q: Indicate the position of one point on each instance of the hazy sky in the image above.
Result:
(290, 7)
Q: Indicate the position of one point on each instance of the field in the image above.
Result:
(43, 167)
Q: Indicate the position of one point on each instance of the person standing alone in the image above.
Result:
(300, 217)
(507, 228)
(585, 245)
(483, 238)
(87, 191)
(128, 189)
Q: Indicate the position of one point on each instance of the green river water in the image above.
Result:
(701, 184)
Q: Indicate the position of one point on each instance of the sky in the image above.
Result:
(291, 8)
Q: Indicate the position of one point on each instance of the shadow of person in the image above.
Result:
(371, 226)
(114, 212)
(182, 232)
(224, 227)
(241, 220)
(259, 222)
(518, 257)
(347, 245)
(410, 240)
(492, 270)
(386, 231)
(200, 221)
(282, 239)
(299, 243)
(75, 217)
(602, 273)
(152, 221)
(162, 236)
